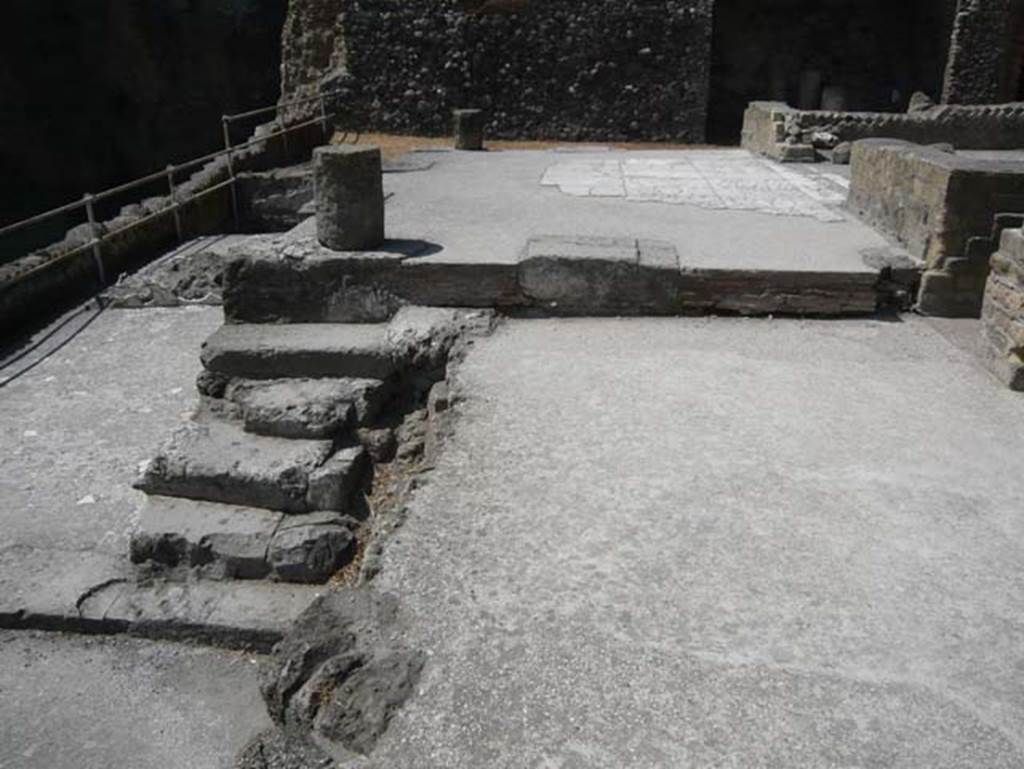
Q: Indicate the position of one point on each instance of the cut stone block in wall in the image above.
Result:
(949, 210)
(791, 135)
(1002, 313)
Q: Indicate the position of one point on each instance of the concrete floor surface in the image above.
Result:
(730, 543)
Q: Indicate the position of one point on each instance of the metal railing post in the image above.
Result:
(174, 202)
(97, 243)
(323, 116)
(284, 138)
(231, 171)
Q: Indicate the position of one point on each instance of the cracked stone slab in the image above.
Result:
(304, 350)
(219, 462)
(42, 588)
(248, 615)
(306, 408)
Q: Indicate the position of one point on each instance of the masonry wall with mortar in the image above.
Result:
(984, 57)
(606, 70)
(1002, 314)
(947, 210)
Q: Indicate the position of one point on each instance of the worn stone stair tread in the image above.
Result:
(251, 615)
(306, 408)
(218, 461)
(233, 542)
(300, 350)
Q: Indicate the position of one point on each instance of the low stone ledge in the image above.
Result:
(787, 134)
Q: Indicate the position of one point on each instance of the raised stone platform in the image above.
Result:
(587, 233)
(948, 209)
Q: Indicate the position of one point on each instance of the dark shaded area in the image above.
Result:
(878, 51)
(96, 93)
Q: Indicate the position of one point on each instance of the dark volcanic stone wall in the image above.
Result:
(602, 70)
(984, 58)
(95, 93)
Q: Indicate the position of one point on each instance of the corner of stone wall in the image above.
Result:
(1002, 314)
(770, 129)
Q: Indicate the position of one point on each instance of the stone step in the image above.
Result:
(304, 350)
(306, 408)
(232, 542)
(218, 461)
(237, 615)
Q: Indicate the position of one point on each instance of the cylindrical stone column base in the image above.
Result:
(469, 129)
(349, 197)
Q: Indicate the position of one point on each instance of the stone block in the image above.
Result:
(311, 548)
(469, 129)
(349, 197)
(310, 350)
(218, 462)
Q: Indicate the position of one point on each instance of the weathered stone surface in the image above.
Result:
(273, 749)
(469, 129)
(349, 197)
(275, 200)
(232, 540)
(190, 274)
(573, 275)
(749, 292)
(777, 130)
(246, 615)
(842, 152)
(946, 209)
(332, 485)
(920, 102)
(625, 69)
(305, 408)
(379, 443)
(312, 547)
(1002, 313)
(339, 673)
(265, 351)
(217, 461)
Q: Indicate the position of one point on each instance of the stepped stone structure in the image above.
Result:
(948, 210)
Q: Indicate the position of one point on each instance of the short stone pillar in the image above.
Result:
(469, 129)
(349, 197)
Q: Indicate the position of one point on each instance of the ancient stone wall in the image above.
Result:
(783, 133)
(982, 55)
(946, 209)
(605, 70)
(1002, 314)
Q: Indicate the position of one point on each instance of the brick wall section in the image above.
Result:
(1002, 314)
(977, 71)
(601, 70)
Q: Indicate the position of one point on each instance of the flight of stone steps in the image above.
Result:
(266, 481)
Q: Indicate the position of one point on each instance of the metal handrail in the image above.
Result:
(88, 200)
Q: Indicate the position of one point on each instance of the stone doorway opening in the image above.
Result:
(833, 54)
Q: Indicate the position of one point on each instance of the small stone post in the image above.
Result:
(349, 197)
(469, 129)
